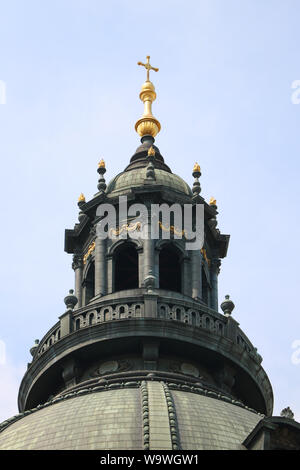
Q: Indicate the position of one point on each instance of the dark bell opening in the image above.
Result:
(90, 283)
(169, 270)
(126, 268)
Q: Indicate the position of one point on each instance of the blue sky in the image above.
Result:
(223, 99)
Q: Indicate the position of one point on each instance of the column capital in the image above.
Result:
(77, 262)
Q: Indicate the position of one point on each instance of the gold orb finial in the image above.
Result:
(101, 164)
(148, 124)
(197, 168)
(212, 201)
(151, 152)
(81, 198)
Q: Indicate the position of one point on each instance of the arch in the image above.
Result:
(163, 310)
(91, 318)
(170, 268)
(115, 247)
(207, 322)
(176, 244)
(89, 282)
(126, 267)
(137, 310)
(107, 313)
(122, 311)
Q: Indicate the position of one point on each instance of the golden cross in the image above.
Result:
(148, 67)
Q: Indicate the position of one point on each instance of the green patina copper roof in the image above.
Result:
(136, 178)
(116, 419)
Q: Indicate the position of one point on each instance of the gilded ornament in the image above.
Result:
(171, 229)
(148, 67)
(204, 254)
(81, 198)
(89, 251)
(151, 152)
(126, 228)
(147, 124)
(197, 168)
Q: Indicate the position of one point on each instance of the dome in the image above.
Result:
(147, 415)
(136, 178)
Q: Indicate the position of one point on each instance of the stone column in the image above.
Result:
(110, 274)
(186, 282)
(196, 274)
(149, 253)
(214, 271)
(100, 267)
(77, 265)
(141, 266)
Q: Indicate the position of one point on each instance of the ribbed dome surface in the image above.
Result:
(127, 418)
(136, 178)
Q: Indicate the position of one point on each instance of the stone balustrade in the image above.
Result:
(145, 305)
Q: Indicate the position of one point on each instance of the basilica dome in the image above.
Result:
(151, 415)
(141, 356)
(136, 178)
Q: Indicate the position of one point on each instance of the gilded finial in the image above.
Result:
(151, 152)
(212, 201)
(81, 198)
(147, 124)
(196, 174)
(197, 168)
(101, 170)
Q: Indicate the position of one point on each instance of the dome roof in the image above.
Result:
(136, 416)
(136, 178)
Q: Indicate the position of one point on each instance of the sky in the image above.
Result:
(69, 86)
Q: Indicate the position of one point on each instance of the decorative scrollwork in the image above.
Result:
(90, 249)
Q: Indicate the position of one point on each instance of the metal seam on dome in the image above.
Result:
(173, 422)
(145, 415)
(159, 423)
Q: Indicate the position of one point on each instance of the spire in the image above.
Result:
(101, 170)
(147, 124)
(196, 174)
(150, 174)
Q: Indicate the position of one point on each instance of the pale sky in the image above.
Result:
(224, 99)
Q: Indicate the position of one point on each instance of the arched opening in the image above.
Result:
(205, 288)
(162, 313)
(169, 269)
(89, 283)
(126, 267)
(138, 311)
(91, 319)
(106, 315)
